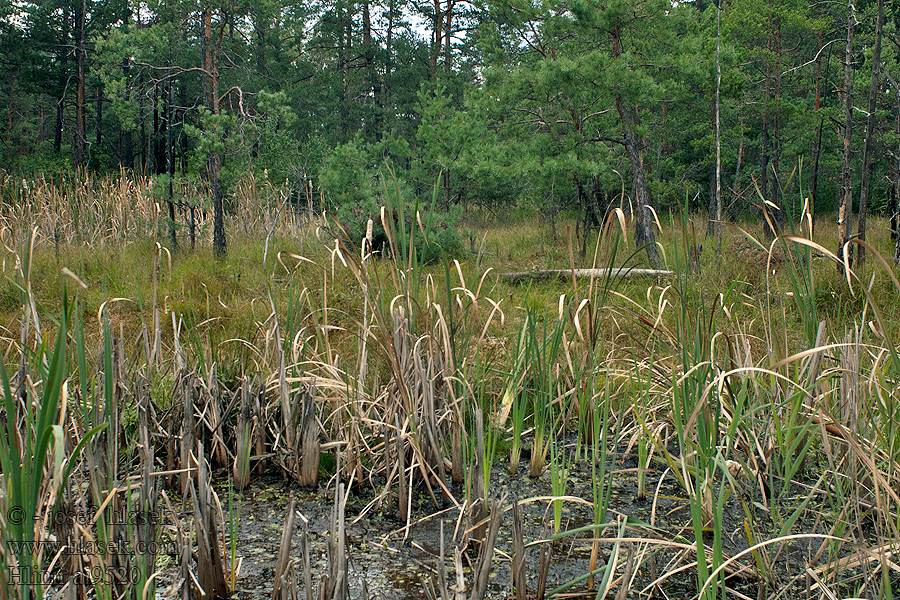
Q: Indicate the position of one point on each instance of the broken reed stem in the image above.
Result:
(187, 431)
(402, 499)
(304, 553)
(147, 523)
(214, 403)
(259, 426)
(210, 562)
(486, 552)
(339, 588)
(479, 510)
(284, 549)
(309, 438)
(457, 467)
(517, 567)
(241, 467)
(544, 569)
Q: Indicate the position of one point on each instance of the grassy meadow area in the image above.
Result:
(729, 430)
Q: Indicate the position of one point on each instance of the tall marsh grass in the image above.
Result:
(367, 369)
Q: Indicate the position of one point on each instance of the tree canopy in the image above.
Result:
(574, 105)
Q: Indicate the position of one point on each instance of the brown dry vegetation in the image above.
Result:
(765, 384)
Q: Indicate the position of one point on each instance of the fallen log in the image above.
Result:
(596, 273)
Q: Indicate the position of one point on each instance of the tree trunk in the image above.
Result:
(436, 28)
(126, 149)
(159, 138)
(448, 38)
(99, 132)
(643, 223)
(895, 196)
(892, 201)
(79, 147)
(261, 25)
(63, 61)
(845, 205)
(643, 233)
(344, 69)
(764, 160)
(868, 164)
(737, 170)
(817, 142)
(776, 195)
(386, 109)
(209, 51)
(170, 162)
(718, 137)
(372, 74)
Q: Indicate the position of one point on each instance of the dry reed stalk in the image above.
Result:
(71, 562)
(304, 553)
(290, 416)
(457, 466)
(284, 549)
(338, 582)
(402, 500)
(486, 552)
(241, 469)
(416, 388)
(850, 399)
(461, 589)
(188, 432)
(543, 569)
(147, 522)
(210, 562)
(259, 425)
(184, 561)
(309, 438)
(478, 510)
(442, 569)
(214, 416)
(517, 578)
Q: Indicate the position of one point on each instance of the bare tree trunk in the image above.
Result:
(892, 200)
(126, 147)
(643, 223)
(737, 170)
(895, 182)
(209, 51)
(389, 54)
(63, 61)
(448, 36)
(79, 148)
(868, 164)
(764, 160)
(718, 136)
(99, 131)
(845, 205)
(344, 63)
(817, 142)
(643, 234)
(436, 29)
(895, 196)
(170, 162)
(372, 73)
(776, 195)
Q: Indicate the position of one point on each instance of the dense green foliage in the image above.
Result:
(500, 103)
